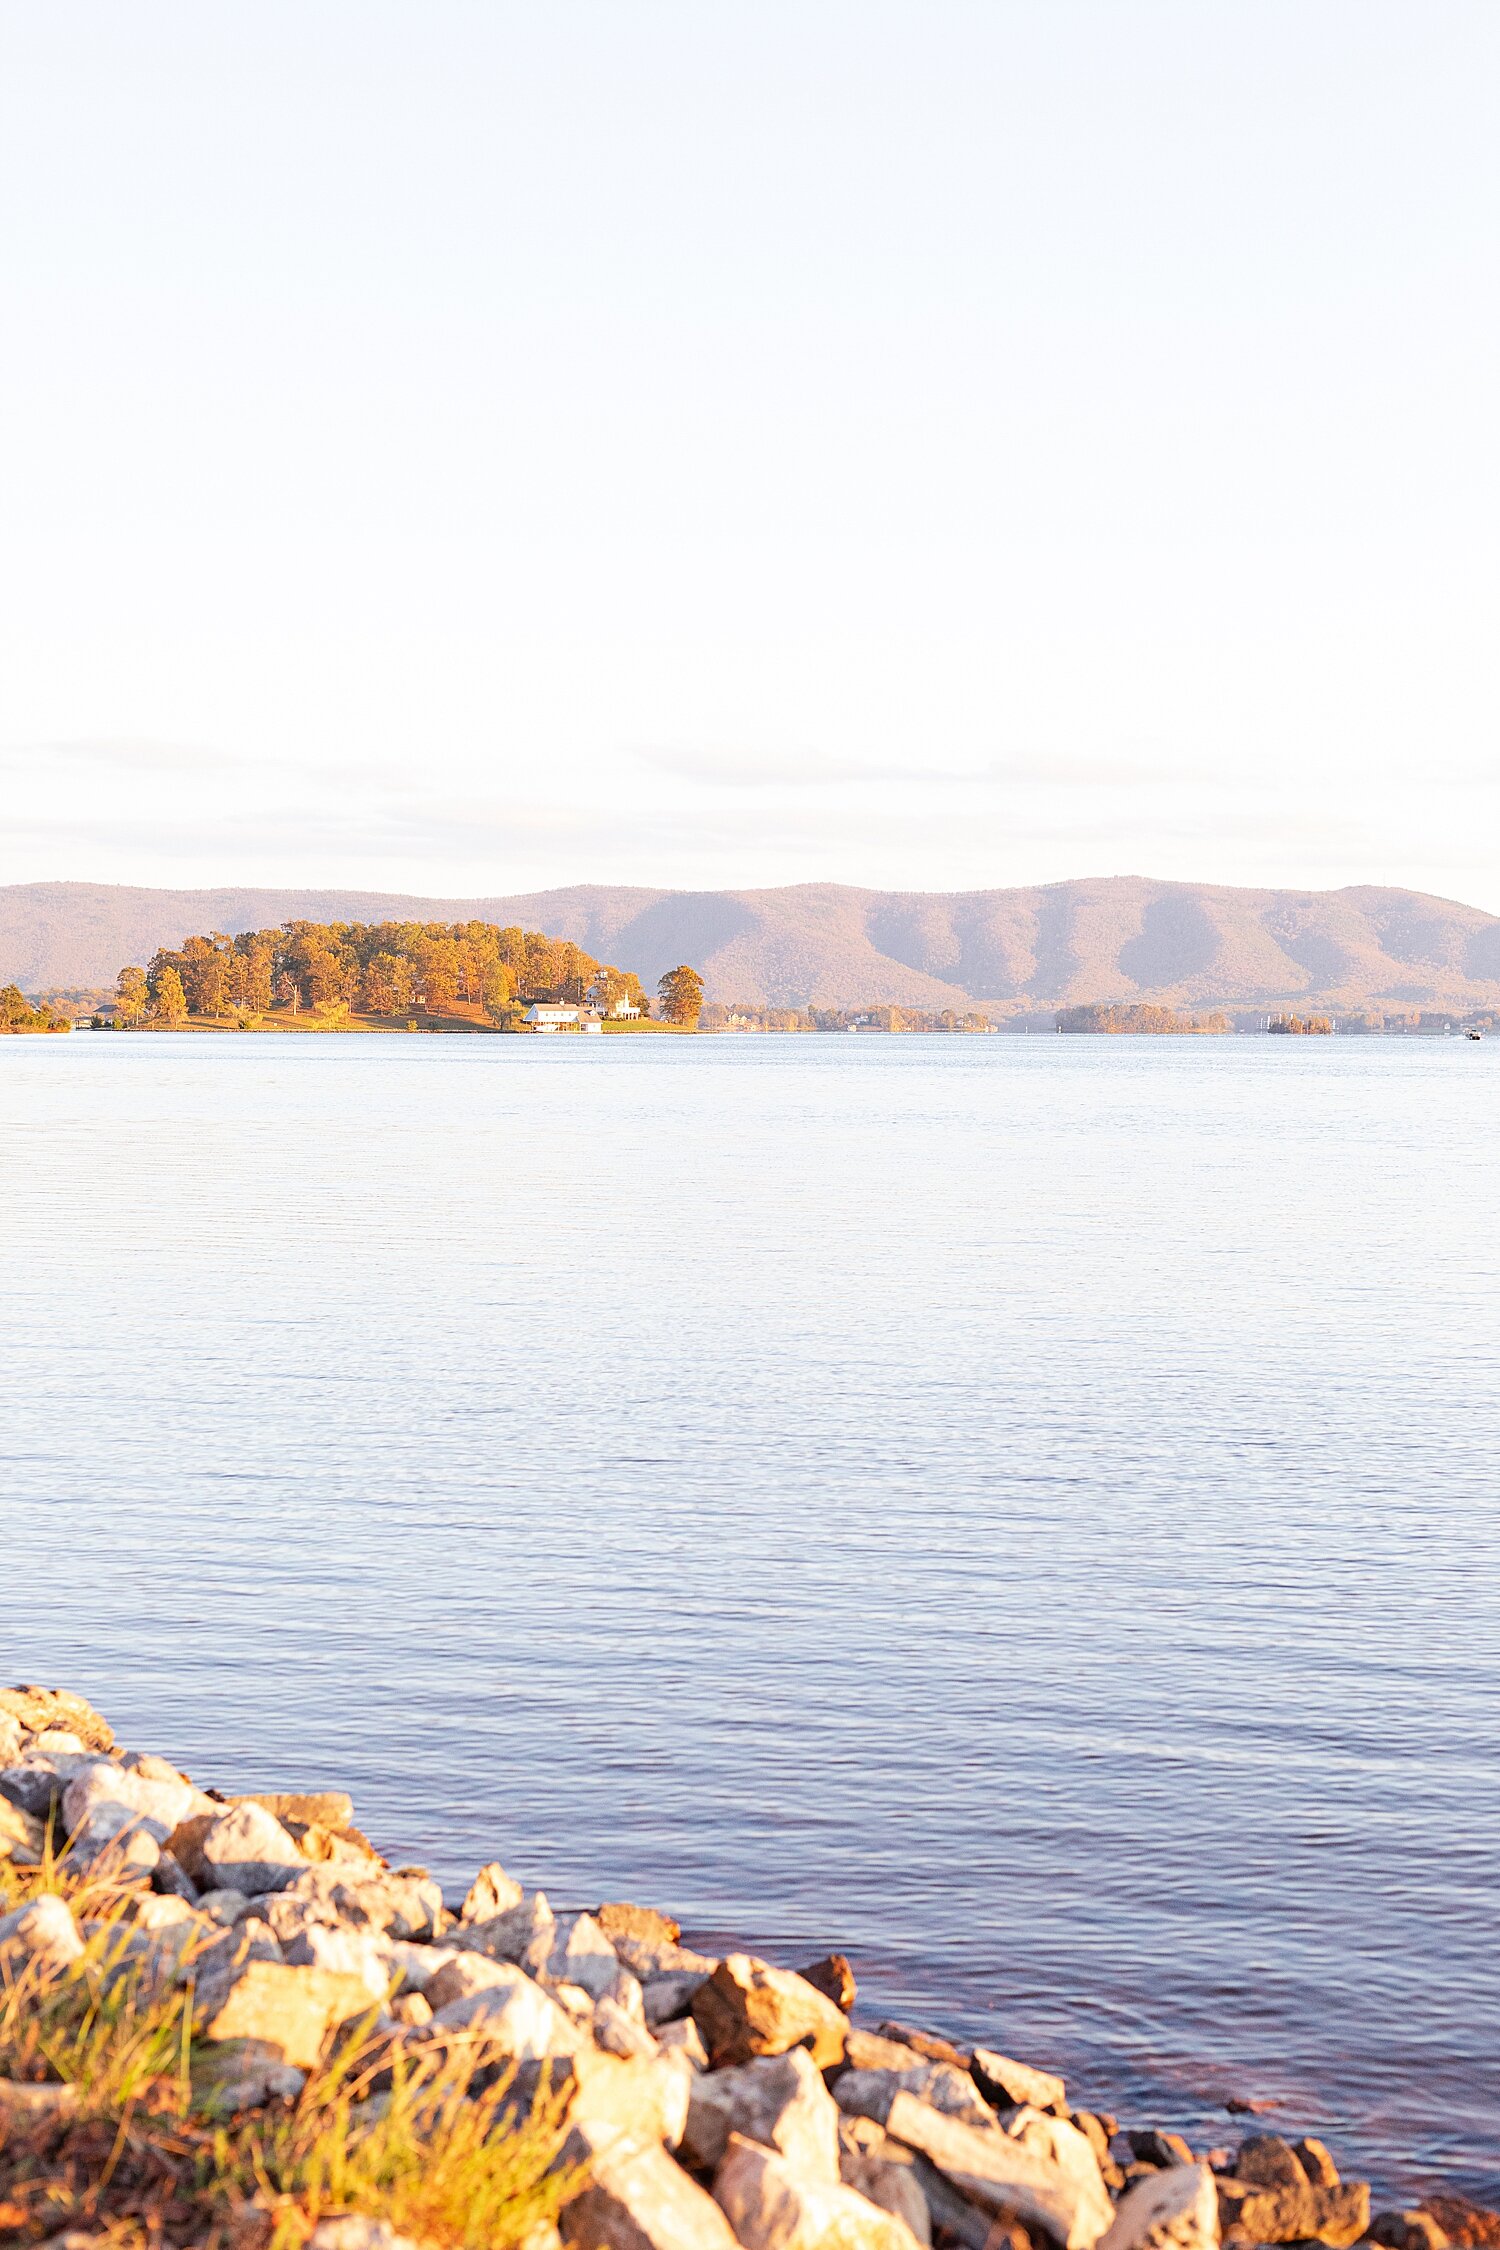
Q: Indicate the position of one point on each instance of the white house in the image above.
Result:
(544, 1016)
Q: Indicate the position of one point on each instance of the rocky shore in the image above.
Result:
(229, 2020)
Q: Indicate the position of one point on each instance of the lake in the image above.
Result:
(1020, 1511)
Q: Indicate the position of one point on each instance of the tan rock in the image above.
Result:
(668, 1998)
(683, 2038)
(243, 1849)
(927, 2043)
(884, 2172)
(22, 1836)
(11, 1738)
(1409, 2230)
(41, 1936)
(353, 1953)
(1264, 2158)
(639, 2199)
(38, 1708)
(834, 1978)
(619, 1920)
(513, 2014)
(316, 1808)
(778, 2100)
(644, 2100)
(1000, 2176)
(581, 1954)
(1001, 2080)
(462, 1975)
(491, 1893)
(293, 2009)
(355, 2232)
(871, 2050)
(869, 2093)
(403, 1903)
(618, 2031)
(241, 2074)
(771, 2206)
(1175, 2209)
(747, 2008)
(1251, 2212)
(524, 1934)
(1317, 2164)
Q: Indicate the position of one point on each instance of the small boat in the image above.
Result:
(1474, 1035)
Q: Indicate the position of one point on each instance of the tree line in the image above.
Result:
(18, 1014)
(1137, 1016)
(384, 969)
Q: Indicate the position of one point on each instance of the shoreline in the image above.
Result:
(700, 2094)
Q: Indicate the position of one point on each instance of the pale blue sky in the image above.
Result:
(918, 442)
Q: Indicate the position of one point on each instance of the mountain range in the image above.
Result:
(832, 945)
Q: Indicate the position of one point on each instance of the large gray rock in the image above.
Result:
(464, 1974)
(747, 2008)
(779, 2100)
(638, 2199)
(771, 2206)
(403, 1903)
(869, 2093)
(523, 1935)
(247, 1849)
(353, 1953)
(41, 1936)
(36, 1785)
(1175, 2209)
(104, 1804)
(514, 2015)
(581, 1954)
(1004, 2178)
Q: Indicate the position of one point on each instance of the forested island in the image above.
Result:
(1138, 1017)
(18, 1014)
(431, 976)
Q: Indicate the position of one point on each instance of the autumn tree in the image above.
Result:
(681, 992)
(169, 1000)
(133, 996)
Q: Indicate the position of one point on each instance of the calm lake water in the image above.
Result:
(1021, 1511)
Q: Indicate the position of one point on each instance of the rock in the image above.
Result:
(524, 1934)
(1251, 2212)
(645, 2100)
(885, 2173)
(779, 2100)
(660, 1957)
(243, 2074)
(1250, 2105)
(223, 1905)
(869, 2093)
(23, 1837)
(10, 1738)
(1469, 2226)
(639, 2199)
(403, 1903)
(352, 1953)
(1408, 2230)
(315, 1808)
(1006, 2179)
(243, 1849)
(104, 1803)
(1002, 2081)
(682, 2037)
(927, 2043)
(417, 1964)
(514, 2015)
(1264, 2158)
(747, 2008)
(353, 2232)
(491, 1893)
(668, 1998)
(293, 2009)
(833, 1977)
(37, 1783)
(617, 1920)
(581, 1954)
(619, 2032)
(461, 1976)
(1096, 2131)
(1175, 2209)
(36, 1709)
(411, 2009)
(1317, 2165)
(871, 2050)
(771, 2206)
(41, 1936)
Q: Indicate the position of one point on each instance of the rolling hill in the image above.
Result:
(830, 945)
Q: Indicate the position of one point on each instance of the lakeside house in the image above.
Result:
(546, 1015)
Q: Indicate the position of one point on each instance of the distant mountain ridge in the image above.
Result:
(1122, 937)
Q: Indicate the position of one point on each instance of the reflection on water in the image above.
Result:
(1019, 1511)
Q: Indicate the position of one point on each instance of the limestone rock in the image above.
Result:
(659, 1957)
(243, 2074)
(22, 1836)
(871, 2050)
(668, 1998)
(36, 1709)
(927, 2043)
(619, 2031)
(581, 1954)
(1251, 2212)
(1174, 2209)
(352, 1953)
(643, 2100)
(11, 1738)
(243, 1849)
(462, 1975)
(1000, 2080)
(104, 1803)
(771, 2206)
(869, 2093)
(1402, 2230)
(1000, 2176)
(41, 1936)
(639, 2199)
(316, 1808)
(1264, 2158)
(747, 2008)
(293, 2009)
(619, 1920)
(833, 1977)
(404, 1903)
(513, 2015)
(1317, 2164)
(884, 2173)
(36, 1785)
(524, 1934)
(491, 1893)
(683, 2037)
(778, 2100)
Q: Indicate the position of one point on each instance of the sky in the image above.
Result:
(463, 446)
